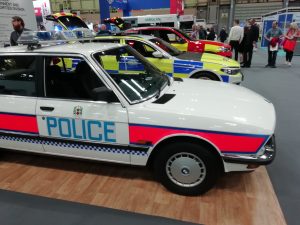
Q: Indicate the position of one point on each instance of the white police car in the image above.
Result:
(188, 131)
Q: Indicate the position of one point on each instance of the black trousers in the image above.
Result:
(272, 55)
(289, 56)
(235, 46)
(247, 55)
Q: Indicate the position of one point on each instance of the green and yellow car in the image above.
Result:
(180, 64)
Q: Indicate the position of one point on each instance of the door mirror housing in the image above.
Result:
(104, 94)
(181, 41)
(158, 54)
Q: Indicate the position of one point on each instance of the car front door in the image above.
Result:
(18, 98)
(72, 123)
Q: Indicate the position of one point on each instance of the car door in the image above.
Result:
(18, 98)
(72, 123)
(174, 39)
(147, 50)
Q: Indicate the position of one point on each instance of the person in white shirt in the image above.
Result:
(236, 36)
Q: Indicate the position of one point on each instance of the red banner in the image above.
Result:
(177, 7)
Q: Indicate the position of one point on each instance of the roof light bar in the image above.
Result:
(37, 38)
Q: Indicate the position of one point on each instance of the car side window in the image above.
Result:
(70, 78)
(141, 47)
(107, 40)
(169, 36)
(18, 75)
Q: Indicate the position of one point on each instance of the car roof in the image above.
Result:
(139, 36)
(79, 48)
(152, 28)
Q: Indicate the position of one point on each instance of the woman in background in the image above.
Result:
(290, 42)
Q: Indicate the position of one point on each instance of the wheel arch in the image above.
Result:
(185, 138)
(195, 72)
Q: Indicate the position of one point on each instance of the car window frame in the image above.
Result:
(152, 45)
(39, 70)
(75, 55)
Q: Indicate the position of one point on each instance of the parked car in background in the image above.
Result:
(181, 64)
(182, 41)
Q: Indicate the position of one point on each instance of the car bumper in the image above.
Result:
(266, 156)
(236, 79)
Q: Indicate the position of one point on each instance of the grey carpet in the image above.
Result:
(24, 209)
(281, 85)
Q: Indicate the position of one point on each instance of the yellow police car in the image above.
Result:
(180, 64)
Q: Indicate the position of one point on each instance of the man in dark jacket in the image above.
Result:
(223, 35)
(19, 26)
(252, 38)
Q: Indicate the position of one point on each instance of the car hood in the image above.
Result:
(210, 105)
(195, 56)
(213, 58)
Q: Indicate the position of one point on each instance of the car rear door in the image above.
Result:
(18, 98)
(72, 123)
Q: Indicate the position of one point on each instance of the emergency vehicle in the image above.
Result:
(182, 41)
(181, 64)
(188, 131)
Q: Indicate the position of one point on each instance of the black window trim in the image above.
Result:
(65, 55)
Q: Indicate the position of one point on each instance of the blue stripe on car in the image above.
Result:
(185, 66)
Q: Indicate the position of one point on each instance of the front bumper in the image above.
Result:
(266, 156)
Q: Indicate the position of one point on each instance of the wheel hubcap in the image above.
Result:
(186, 169)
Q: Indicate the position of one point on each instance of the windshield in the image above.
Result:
(72, 22)
(184, 34)
(137, 78)
(166, 46)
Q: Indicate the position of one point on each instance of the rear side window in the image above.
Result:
(107, 40)
(18, 75)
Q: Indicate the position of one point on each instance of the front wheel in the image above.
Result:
(186, 168)
(205, 76)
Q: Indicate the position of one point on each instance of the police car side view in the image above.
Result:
(181, 64)
(188, 131)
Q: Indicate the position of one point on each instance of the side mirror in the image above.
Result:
(181, 41)
(104, 94)
(158, 54)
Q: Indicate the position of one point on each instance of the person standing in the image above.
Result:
(103, 30)
(290, 42)
(95, 28)
(223, 35)
(236, 35)
(250, 42)
(19, 26)
(195, 32)
(212, 35)
(202, 33)
(247, 47)
(272, 36)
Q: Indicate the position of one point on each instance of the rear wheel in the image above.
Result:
(186, 168)
(205, 76)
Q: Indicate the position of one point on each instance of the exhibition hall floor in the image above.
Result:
(237, 199)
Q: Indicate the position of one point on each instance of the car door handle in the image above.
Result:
(45, 108)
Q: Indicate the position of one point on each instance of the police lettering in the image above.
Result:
(81, 129)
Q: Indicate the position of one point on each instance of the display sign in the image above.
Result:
(10, 8)
(41, 10)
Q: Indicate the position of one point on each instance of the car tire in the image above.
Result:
(205, 76)
(186, 168)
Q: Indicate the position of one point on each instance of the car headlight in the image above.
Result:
(231, 71)
(224, 49)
